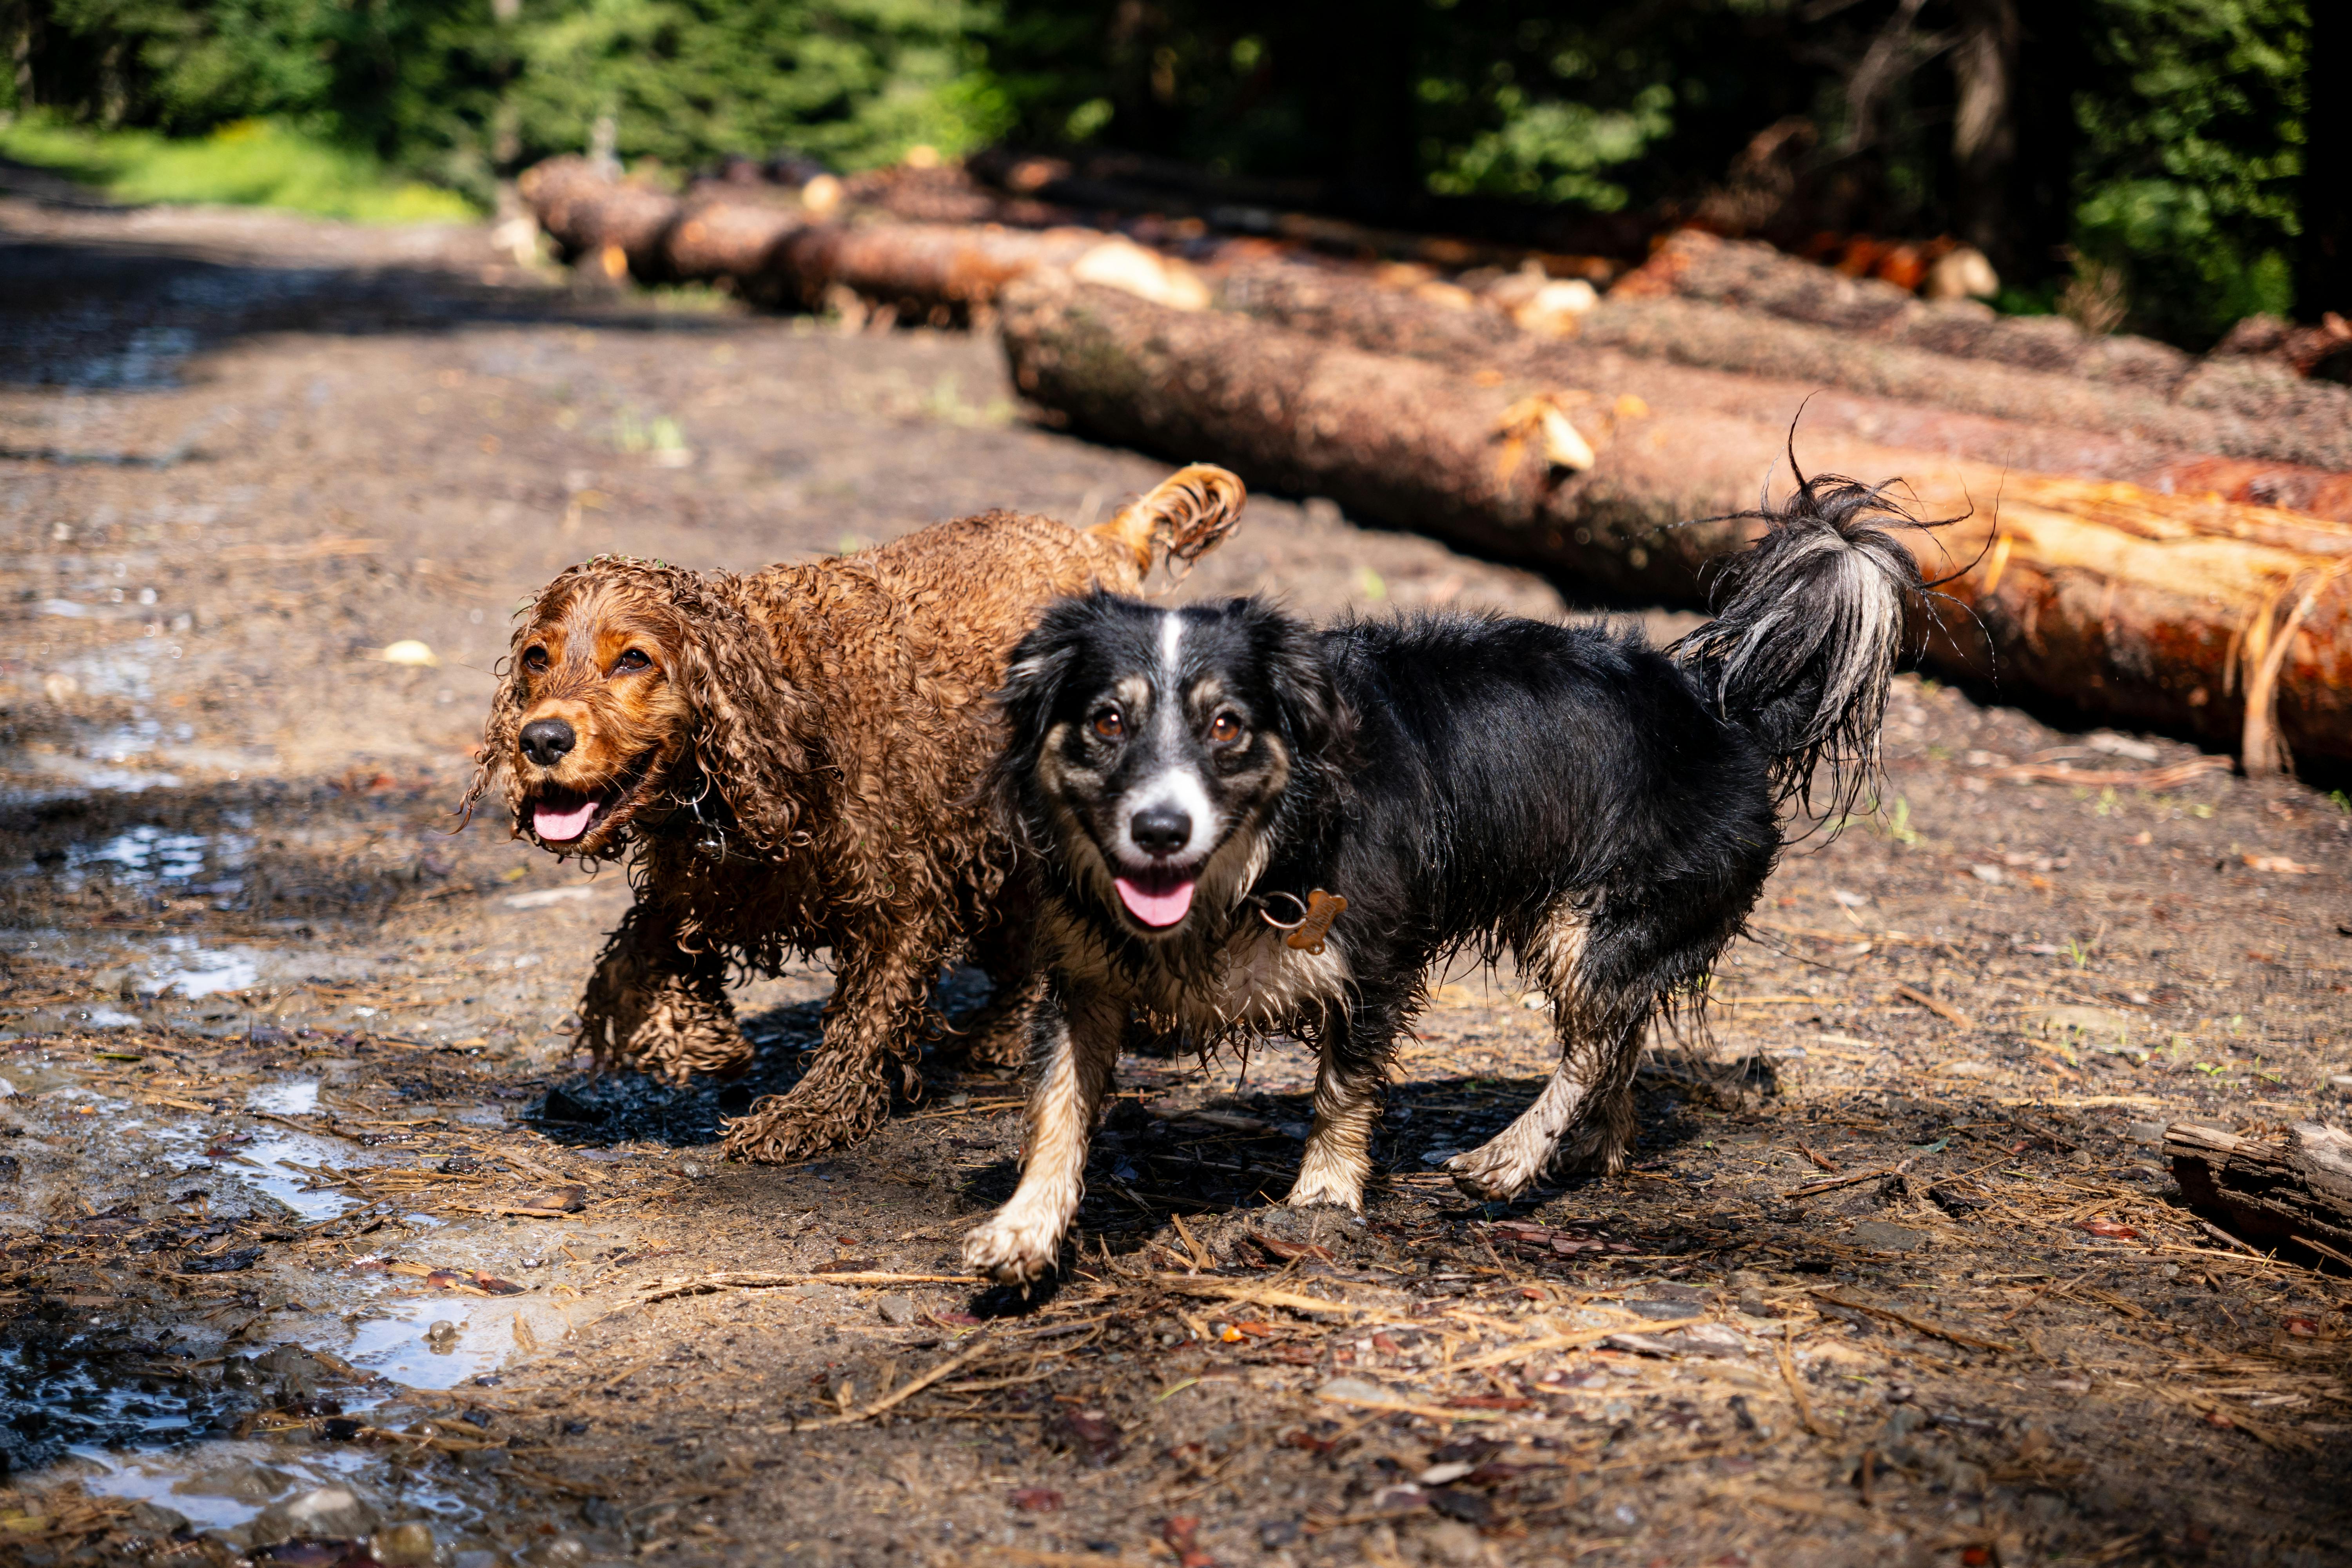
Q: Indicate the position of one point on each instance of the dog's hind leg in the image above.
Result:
(651, 1006)
(1599, 1034)
(996, 1034)
(876, 1017)
(1077, 1045)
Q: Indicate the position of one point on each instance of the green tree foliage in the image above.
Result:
(463, 90)
(2192, 152)
(2150, 150)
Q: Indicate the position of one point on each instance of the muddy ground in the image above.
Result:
(315, 1237)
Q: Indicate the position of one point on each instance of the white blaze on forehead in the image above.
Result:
(1171, 717)
(1178, 786)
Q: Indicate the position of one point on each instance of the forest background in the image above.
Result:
(2153, 165)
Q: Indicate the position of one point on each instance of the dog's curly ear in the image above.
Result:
(749, 723)
(498, 735)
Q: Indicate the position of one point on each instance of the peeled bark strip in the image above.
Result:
(2299, 1190)
(2150, 608)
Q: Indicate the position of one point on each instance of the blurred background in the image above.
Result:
(2138, 165)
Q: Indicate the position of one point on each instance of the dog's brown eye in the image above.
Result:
(534, 658)
(632, 658)
(1110, 725)
(1225, 727)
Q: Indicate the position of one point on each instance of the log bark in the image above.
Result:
(773, 252)
(2235, 407)
(2265, 1193)
(2133, 605)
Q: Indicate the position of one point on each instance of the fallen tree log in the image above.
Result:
(774, 252)
(2265, 1193)
(2287, 444)
(2229, 621)
(2307, 425)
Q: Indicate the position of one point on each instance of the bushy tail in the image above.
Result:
(1184, 517)
(1810, 622)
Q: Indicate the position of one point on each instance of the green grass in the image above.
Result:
(251, 163)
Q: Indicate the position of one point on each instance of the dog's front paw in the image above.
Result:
(1491, 1174)
(1012, 1249)
(1319, 1187)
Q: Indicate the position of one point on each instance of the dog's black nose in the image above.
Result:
(548, 741)
(1160, 829)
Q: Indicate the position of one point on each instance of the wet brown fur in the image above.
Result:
(797, 766)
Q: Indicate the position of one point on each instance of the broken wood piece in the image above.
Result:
(1918, 1325)
(1944, 1010)
(704, 1284)
(2296, 1190)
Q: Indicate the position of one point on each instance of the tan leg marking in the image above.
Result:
(1512, 1160)
(1076, 1049)
(1339, 1151)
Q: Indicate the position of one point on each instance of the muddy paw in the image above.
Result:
(1312, 1191)
(1013, 1251)
(1483, 1177)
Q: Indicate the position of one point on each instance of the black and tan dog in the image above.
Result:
(1203, 786)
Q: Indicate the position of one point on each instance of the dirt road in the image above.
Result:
(312, 1229)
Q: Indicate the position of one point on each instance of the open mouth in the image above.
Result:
(1159, 897)
(564, 816)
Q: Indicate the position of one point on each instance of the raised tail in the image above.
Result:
(1183, 517)
(1810, 622)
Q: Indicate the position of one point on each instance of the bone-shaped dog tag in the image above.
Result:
(1322, 908)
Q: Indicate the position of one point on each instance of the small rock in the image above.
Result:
(1453, 1540)
(894, 1307)
(1356, 1392)
(408, 1546)
(1089, 1433)
(1881, 1237)
(247, 1483)
(154, 1519)
(1276, 1533)
(328, 1513)
(558, 1551)
(442, 1337)
(1707, 1339)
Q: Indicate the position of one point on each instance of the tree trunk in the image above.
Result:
(2299, 1190)
(2143, 606)
(775, 253)
(1726, 305)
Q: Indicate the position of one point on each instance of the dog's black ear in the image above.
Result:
(1040, 666)
(1315, 719)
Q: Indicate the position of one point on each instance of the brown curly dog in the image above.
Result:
(790, 760)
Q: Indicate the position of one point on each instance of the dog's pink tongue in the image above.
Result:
(562, 826)
(1155, 909)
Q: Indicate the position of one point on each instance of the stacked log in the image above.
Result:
(776, 252)
(2109, 572)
